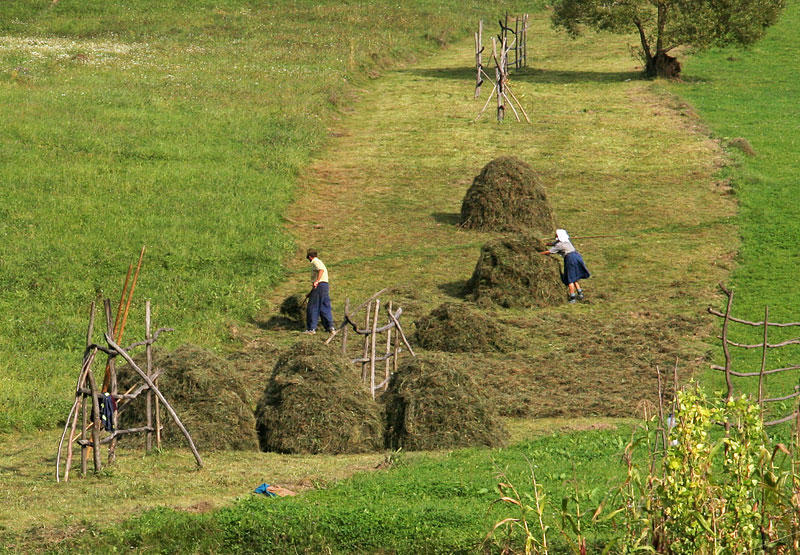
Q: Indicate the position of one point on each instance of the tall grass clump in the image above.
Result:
(179, 126)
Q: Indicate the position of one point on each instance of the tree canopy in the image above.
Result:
(664, 25)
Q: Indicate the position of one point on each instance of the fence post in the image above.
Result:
(725, 347)
(763, 362)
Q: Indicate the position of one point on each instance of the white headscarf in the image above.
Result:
(562, 235)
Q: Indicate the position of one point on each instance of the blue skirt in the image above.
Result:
(574, 268)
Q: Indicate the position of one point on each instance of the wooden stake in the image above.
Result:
(366, 345)
(763, 363)
(373, 340)
(148, 441)
(97, 423)
(344, 333)
(388, 350)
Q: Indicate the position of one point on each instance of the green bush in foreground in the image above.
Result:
(701, 489)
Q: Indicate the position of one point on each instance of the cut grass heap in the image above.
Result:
(432, 403)
(512, 274)
(207, 395)
(507, 196)
(456, 328)
(315, 403)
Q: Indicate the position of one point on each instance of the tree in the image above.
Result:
(664, 25)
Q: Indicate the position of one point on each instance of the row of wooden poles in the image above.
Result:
(518, 44)
(371, 357)
(88, 394)
(764, 346)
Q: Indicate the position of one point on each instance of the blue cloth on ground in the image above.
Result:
(263, 490)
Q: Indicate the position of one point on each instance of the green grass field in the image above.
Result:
(177, 115)
(181, 127)
(749, 94)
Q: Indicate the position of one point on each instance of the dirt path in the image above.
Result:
(617, 157)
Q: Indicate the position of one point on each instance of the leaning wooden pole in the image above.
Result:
(725, 347)
(158, 394)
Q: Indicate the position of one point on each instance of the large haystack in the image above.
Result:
(210, 401)
(511, 273)
(456, 328)
(432, 403)
(315, 402)
(507, 196)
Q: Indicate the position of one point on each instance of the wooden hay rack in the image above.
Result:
(89, 396)
(764, 346)
(373, 352)
(510, 41)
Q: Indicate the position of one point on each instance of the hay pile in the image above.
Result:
(315, 402)
(512, 274)
(507, 196)
(432, 403)
(455, 328)
(293, 308)
(209, 400)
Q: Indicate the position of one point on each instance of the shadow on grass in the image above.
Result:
(450, 218)
(278, 323)
(531, 75)
(455, 289)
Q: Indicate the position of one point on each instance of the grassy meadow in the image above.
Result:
(178, 126)
(748, 94)
(234, 167)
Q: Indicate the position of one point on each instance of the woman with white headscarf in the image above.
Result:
(574, 267)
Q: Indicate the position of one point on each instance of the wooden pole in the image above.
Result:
(725, 347)
(498, 74)
(395, 357)
(97, 423)
(388, 350)
(479, 58)
(158, 394)
(373, 343)
(366, 344)
(84, 404)
(402, 335)
(148, 441)
(111, 373)
(516, 42)
(344, 333)
(763, 362)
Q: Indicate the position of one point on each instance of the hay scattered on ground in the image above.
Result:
(507, 196)
(456, 328)
(511, 273)
(432, 403)
(316, 403)
(210, 401)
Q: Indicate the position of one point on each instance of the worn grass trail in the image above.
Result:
(616, 156)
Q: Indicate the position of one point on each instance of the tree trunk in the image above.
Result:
(662, 65)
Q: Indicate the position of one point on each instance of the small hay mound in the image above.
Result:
(316, 403)
(293, 307)
(209, 400)
(507, 196)
(432, 403)
(511, 273)
(455, 328)
(744, 145)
